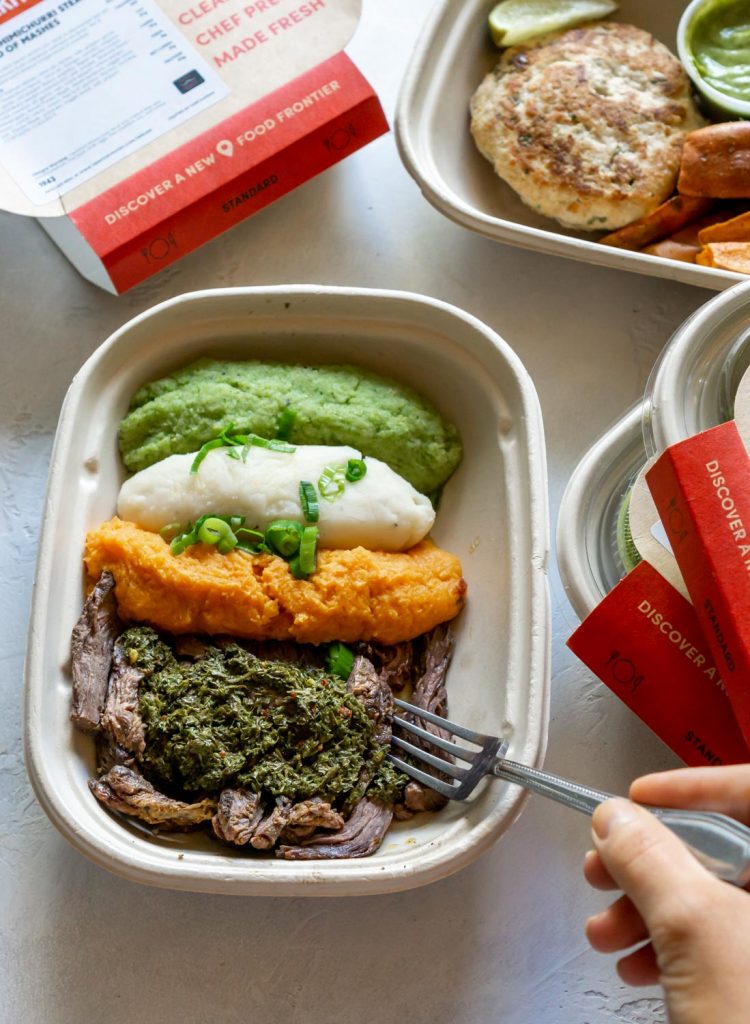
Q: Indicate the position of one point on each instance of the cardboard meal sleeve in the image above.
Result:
(645, 643)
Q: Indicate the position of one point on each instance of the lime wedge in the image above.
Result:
(517, 21)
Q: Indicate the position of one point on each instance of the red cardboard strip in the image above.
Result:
(231, 171)
(10, 8)
(645, 643)
(701, 487)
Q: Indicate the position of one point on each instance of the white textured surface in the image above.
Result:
(501, 941)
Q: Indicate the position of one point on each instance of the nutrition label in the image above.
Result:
(84, 83)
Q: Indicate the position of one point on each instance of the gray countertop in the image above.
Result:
(503, 939)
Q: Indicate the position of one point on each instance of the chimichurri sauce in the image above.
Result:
(227, 718)
(719, 38)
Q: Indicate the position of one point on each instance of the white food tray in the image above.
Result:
(452, 57)
(493, 516)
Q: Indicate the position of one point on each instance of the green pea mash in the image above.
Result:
(331, 405)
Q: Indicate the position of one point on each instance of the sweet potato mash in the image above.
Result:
(353, 594)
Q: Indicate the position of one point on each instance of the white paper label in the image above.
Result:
(84, 83)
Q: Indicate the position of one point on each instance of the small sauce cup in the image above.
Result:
(720, 104)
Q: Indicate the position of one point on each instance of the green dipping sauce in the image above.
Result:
(719, 38)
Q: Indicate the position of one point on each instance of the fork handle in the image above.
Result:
(720, 843)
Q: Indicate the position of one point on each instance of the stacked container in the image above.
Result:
(691, 388)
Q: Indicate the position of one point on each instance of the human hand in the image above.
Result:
(697, 927)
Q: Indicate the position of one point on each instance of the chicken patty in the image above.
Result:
(353, 595)
(586, 125)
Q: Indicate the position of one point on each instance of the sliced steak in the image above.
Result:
(271, 827)
(316, 812)
(394, 663)
(361, 835)
(121, 718)
(429, 694)
(418, 797)
(429, 691)
(91, 653)
(109, 753)
(376, 696)
(189, 646)
(308, 816)
(284, 650)
(238, 815)
(372, 691)
(124, 790)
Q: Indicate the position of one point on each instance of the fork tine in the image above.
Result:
(429, 780)
(435, 741)
(423, 755)
(457, 730)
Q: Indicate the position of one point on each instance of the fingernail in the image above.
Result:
(611, 815)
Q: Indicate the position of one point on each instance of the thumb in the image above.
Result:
(647, 861)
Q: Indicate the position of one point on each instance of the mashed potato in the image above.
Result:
(381, 511)
(353, 595)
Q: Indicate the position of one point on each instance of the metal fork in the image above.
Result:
(720, 843)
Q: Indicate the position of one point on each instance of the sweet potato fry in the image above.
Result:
(722, 212)
(672, 215)
(726, 256)
(716, 161)
(672, 250)
(735, 230)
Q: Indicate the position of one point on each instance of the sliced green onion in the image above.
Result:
(231, 438)
(218, 530)
(339, 660)
(285, 424)
(170, 531)
(308, 498)
(303, 564)
(250, 540)
(274, 446)
(284, 537)
(355, 470)
(181, 543)
(332, 482)
(184, 540)
(207, 447)
(215, 531)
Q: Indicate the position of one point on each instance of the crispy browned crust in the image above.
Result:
(587, 125)
(716, 161)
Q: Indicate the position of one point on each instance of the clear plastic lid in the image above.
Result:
(693, 383)
(588, 553)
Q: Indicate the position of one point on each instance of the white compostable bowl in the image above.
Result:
(693, 383)
(452, 57)
(587, 555)
(493, 515)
